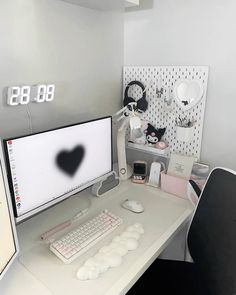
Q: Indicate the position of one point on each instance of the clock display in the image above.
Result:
(22, 95)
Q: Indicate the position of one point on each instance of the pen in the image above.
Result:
(62, 225)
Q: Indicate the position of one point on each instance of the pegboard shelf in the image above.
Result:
(161, 114)
(148, 149)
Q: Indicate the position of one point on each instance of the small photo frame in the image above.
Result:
(180, 166)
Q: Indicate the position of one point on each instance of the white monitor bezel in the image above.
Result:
(10, 210)
(59, 199)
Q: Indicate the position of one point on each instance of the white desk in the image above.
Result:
(40, 270)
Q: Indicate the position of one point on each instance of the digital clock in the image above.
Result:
(22, 95)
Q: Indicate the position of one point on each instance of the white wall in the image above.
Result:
(190, 32)
(78, 49)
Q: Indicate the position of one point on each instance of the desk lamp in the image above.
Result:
(130, 119)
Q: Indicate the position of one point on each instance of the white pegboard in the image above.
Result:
(158, 114)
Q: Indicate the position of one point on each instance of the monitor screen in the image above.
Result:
(8, 242)
(50, 166)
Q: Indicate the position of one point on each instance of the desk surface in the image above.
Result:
(40, 270)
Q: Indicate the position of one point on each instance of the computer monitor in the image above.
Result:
(48, 167)
(8, 241)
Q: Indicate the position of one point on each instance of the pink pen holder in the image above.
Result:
(174, 185)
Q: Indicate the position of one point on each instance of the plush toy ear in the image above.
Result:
(151, 128)
(160, 133)
(148, 130)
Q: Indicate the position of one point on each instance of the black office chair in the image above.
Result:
(211, 242)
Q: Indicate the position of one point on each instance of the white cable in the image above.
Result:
(149, 82)
(29, 119)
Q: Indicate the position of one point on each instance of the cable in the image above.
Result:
(29, 119)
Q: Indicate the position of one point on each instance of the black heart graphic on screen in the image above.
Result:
(69, 161)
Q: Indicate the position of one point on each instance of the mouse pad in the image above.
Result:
(59, 277)
(42, 263)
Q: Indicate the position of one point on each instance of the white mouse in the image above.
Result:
(133, 206)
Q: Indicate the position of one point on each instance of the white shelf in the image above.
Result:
(131, 3)
(99, 4)
(149, 149)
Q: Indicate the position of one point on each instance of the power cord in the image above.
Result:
(29, 119)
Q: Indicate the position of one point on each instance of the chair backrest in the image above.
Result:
(212, 234)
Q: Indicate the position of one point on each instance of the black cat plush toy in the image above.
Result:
(154, 135)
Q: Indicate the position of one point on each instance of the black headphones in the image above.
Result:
(142, 103)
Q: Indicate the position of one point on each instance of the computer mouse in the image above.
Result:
(133, 206)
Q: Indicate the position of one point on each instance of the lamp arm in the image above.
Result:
(121, 150)
(124, 124)
(132, 119)
(119, 112)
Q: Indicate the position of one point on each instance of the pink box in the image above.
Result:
(174, 185)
